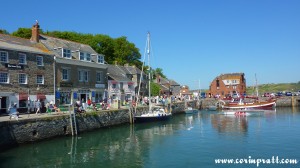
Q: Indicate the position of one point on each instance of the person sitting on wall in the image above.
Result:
(89, 102)
(51, 107)
(56, 108)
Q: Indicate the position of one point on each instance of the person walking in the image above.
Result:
(13, 113)
(38, 107)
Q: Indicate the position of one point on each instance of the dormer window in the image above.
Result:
(84, 56)
(100, 59)
(66, 53)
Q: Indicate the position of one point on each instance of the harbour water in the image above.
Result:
(187, 140)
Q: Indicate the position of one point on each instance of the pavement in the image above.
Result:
(25, 116)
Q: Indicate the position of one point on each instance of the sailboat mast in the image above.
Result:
(256, 86)
(149, 73)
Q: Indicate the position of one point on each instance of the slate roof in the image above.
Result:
(131, 70)
(229, 75)
(57, 44)
(24, 45)
(117, 73)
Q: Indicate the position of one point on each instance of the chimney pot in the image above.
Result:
(35, 32)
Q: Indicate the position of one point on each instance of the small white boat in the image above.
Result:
(190, 110)
(156, 114)
(236, 113)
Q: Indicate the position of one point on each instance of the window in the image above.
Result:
(66, 53)
(22, 78)
(130, 86)
(39, 61)
(39, 79)
(22, 58)
(65, 74)
(88, 57)
(100, 59)
(114, 86)
(3, 56)
(83, 76)
(4, 78)
(81, 57)
(218, 83)
(84, 56)
(99, 76)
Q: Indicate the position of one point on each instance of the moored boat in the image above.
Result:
(241, 105)
(156, 113)
(190, 110)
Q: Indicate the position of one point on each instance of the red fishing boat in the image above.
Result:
(241, 105)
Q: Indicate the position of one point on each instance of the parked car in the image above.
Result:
(278, 94)
(288, 94)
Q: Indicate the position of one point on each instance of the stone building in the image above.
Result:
(134, 74)
(26, 73)
(226, 85)
(80, 72)
(120, 87)
(168, 86)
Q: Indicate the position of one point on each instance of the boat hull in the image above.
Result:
(142, 119)
(261, 105)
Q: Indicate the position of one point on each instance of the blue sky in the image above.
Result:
(191, 40)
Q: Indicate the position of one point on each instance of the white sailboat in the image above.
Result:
(156, 113)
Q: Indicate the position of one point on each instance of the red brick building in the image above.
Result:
(228, 84)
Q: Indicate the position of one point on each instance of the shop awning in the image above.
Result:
(40, 96)
(114, 82)
(130, 83)
(23, 96)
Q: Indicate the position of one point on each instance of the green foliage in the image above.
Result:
(159, 71)
(273, 88)
(155, 89)
(2, 31)
(23, 32)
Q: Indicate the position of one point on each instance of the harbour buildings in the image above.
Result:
(226, 85)
(47, 69)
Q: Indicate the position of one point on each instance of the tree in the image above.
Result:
(125, 52)
(155, 89)
(2, 31)
(23, 33)
(159, 71)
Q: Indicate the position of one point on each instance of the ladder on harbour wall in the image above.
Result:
(73, 121)
(131, 110)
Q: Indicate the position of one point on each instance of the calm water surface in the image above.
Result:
(184, 141)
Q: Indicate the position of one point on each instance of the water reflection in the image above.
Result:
(224, 123)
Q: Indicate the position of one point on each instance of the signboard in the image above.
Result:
(14, 66)
(99, 85)
(66, 84)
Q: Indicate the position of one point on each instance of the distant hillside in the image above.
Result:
(273, 88)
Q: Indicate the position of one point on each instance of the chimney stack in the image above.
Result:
(35, 32)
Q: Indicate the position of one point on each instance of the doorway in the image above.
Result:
(3, 105)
